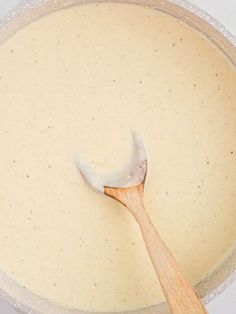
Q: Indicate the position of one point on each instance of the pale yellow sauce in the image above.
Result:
(76, 82)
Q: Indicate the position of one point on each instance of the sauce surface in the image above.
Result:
(75, 83)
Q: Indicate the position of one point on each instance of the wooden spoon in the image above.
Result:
(127, 187)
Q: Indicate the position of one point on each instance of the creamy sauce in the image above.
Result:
(76, 82)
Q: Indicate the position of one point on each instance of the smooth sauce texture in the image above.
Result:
(76, 82)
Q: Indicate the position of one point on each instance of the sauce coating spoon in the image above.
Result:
(127, 187)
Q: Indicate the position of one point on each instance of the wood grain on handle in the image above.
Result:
(180, 295)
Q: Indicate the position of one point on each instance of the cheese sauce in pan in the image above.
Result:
(76, 83)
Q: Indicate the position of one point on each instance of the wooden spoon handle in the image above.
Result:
(180, 295)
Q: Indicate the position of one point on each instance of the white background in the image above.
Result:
(225, 12)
